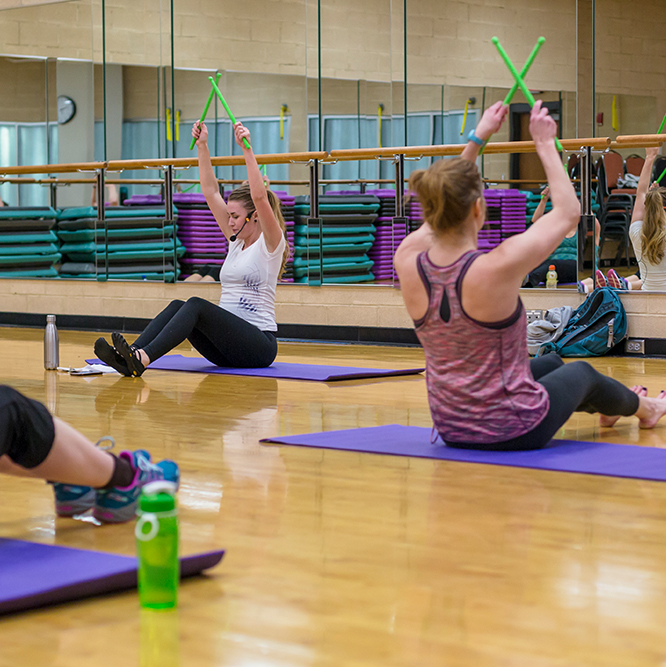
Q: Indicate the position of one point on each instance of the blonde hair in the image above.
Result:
(243, 196)
(653, 232)
(447, 191)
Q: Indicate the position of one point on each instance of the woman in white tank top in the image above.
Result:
(240, 331)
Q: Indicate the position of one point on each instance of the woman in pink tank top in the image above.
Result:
(483, 390)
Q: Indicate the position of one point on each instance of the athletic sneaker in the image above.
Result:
(601, 279)
(119, 504)
(616, 281)
(70, 499)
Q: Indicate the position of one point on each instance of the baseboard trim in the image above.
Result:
(298, 332)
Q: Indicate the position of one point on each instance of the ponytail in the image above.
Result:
(653, 232)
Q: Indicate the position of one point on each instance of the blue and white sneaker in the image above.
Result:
(70, 499)
(118, 505)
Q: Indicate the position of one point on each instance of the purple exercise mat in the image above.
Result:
(34, 575)
(589, 458)
(280, 370)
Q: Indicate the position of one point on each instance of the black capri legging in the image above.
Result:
(574, 387)
(26, 428)
(218, 335)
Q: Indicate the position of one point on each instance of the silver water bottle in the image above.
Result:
(51, 347)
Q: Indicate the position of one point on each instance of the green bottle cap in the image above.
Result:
(158, 497)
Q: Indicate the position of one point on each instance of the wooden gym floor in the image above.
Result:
(337, 558)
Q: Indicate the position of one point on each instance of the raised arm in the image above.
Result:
(492, 120)
(497, 276)
(644, 184)
(209, 185)
(541, 208)
(268, 222)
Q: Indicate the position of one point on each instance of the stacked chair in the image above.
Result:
(137, 245)
(348, 235)
(29, 246)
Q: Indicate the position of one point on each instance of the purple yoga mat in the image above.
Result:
(34, 575)
(280, 370)
(589, 458)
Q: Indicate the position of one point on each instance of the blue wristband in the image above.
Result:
(472, 137)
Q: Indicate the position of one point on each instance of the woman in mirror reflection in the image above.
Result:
(648, 227)
(240, 331)
(565, 256)
(484, 391)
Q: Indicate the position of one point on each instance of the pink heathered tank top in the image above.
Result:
(480, 387)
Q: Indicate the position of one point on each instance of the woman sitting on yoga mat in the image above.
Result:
(35, 444)
(648, 227)
(239, 332)
(484, 392)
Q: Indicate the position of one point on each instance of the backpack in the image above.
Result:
(598, 324)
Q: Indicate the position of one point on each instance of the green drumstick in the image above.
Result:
(525, 70)
(661, 127)
(205, 111)
(519, 81)
(246, 143)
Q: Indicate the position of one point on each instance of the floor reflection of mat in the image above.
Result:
(35, 575)
(590, 458)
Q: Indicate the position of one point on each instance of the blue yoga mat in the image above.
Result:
(279, 370)
(589, 458)
(34, 575)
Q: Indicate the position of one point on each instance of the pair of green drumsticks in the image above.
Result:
(216, 91)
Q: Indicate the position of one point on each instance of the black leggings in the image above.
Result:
(218, 335)
(574, 387)
(26, 428)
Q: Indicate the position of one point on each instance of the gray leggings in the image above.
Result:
(574, 387)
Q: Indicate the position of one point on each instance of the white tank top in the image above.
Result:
(248, 278)
(653, 275)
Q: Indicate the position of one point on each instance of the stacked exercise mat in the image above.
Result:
(413, 211)
(206, 246)
(348, 235)
(137, 244)
(505, 214)
(287, 204)
(29, 246)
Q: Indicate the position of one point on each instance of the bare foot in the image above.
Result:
(607, 421)
(651, 410)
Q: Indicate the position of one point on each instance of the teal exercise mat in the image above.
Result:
(119, 257)
(25, 260)
(29, 249)
(326, 241)
(91, 247)
(304, 209)
(110, 223)
(36, 225)
(27, 213)
(48, 272)
(113, 212)
(48, 236)
(304, 232)
(362, 278)
(332, 263)
(332, 268)
(332, 249)
(342, 220)
(83, 235)
(88, 268)
(167, 277)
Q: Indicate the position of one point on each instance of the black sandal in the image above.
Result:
(110, 357)
(129, 354)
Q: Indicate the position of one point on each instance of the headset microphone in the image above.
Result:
(233, 237)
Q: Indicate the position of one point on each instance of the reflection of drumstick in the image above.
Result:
(519, 81)
(205, 111)
(246, 143)
(661, 127)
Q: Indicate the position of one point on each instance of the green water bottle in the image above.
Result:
(157, 546)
